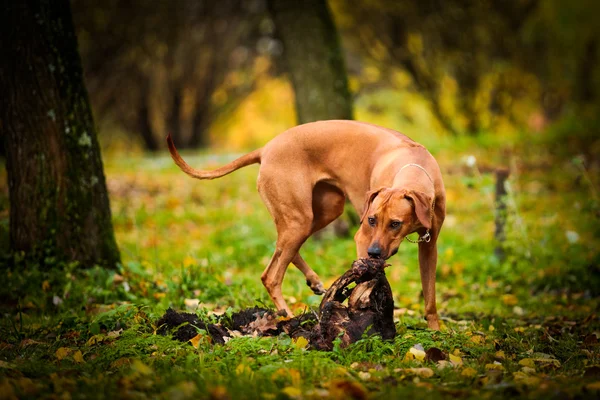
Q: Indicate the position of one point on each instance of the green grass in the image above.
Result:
(91, 334)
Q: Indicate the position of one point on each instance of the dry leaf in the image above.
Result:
(420, 372)
(300, 342)
(510, 299)
(263, 324)
(477, 339)
(455, 360)
(195, 341)
(527, 362)
(494, 366)
(419, 354)
(469, 372)
(292, 392)
(78, 357)
(62, 353)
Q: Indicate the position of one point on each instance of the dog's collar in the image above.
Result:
(427, 236)
(418, 166)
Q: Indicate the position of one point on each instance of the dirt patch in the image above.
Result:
(360, 302)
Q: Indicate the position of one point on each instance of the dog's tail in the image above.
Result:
(251, 158)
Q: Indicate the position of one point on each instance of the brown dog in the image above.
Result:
(307, 172)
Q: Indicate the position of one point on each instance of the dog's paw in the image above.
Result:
(318, 289)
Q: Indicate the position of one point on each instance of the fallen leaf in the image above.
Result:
(78, 357)
(494, 366)
(365, 376)
(345, 389)
(141, 368)
(477, 339)
(45, 286)
(189, 261)
(195, 341)
(263, 324)
(420, 372)
(510, 299)
(593, 386)
(434, 354)
(455, 360)
(527, 362)
(243, 369)
(7, 365)
(292, 392)
(62, 352)
(469, 372)
(418, 353)
(219, 393)
(500, 355)
(300, 342)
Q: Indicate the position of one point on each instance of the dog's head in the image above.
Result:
(389, 215)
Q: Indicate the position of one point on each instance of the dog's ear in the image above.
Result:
(370, 196)
(422, 204)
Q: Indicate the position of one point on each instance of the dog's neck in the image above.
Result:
(415, 177)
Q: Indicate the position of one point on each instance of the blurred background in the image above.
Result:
(221, 73)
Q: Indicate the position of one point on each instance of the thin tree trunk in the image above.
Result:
(174, 118)
(144, 124)
(58, 198)
(314, 59)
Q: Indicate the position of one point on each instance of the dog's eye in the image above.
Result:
(371, 221)
(395, 224)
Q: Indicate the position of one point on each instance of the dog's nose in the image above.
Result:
(374, 251)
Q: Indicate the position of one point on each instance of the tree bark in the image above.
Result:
(58, 199)
(314, 59)
(144, 125)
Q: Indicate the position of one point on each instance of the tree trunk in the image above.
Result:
(174, 118)
(314, 59)
(58, 198)
(144, 124)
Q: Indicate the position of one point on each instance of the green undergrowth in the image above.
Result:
(522, 326)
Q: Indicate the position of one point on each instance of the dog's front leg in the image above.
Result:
(427, 267)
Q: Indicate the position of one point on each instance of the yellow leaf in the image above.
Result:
(300, 342)
(496, 365)
(491, 328)
(195, 341)
(7, 365)
(141, 368)
(455, 360)
(553, 361)
(500, 354)
(409, 356)
(519, 329)
(78, 357)
(45, 286)
(510, 299)
(62, 353)
(593, 386)
(243, 369)
(6, 390)
(189, 261)
(365, 376)
(421, 372)
(469, 372)
(419, 354)
(345, 389)
(527, 362)
(292, 392)
(95, 339)
(477, 339)
(219, 393)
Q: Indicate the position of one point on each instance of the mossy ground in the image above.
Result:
(526, 326)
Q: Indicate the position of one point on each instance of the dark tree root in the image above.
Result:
(369, 311)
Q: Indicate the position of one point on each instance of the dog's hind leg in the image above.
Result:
(289, 202)
(327, 205)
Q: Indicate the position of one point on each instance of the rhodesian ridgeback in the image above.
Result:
(307, 173)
